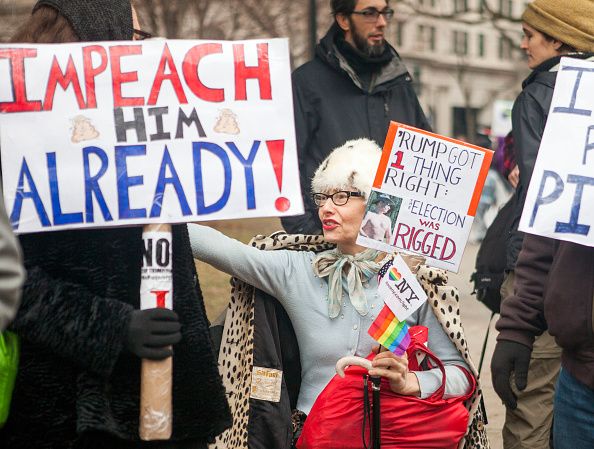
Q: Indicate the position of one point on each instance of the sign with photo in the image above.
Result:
(122, 133)
(501, 124)
(560, 200)
(425, 195)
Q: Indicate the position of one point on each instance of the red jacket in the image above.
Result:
(555, 285)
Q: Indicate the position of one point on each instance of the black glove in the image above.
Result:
(509, 356)
(152, 332)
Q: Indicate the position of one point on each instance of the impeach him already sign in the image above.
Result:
(121, 133)
(560, 200)
(425, 195)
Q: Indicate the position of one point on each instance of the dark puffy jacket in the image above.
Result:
(529, 117)
(76, 382)
(332, 106)
(554, 289)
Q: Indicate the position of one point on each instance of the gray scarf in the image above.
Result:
(359, 269)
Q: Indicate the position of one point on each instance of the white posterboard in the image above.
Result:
(426, 191)
(166, 131)
(560, 200)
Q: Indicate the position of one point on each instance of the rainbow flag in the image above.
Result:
(389, 332)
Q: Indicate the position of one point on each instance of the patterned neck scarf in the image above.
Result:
(358, 269)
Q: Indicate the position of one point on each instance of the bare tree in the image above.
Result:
(179, 18)
(228, 19)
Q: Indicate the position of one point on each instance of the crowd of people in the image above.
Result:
(306, 297)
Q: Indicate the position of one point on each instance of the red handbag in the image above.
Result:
(337, 420)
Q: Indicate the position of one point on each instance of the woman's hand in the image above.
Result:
(395, 369)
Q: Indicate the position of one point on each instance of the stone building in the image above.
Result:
(463, 55)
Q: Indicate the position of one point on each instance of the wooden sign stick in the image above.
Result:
(156, 290)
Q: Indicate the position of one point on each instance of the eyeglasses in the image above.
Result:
(372, 14)
(142, 35)
(339, 198)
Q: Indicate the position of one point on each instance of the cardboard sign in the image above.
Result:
(560, 199)
(425, 195)
(400, 290)
(122, 133)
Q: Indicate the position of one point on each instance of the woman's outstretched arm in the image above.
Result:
(270, 271)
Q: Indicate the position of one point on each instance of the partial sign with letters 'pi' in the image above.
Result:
(560, 200)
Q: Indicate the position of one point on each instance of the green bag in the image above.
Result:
(9, 363)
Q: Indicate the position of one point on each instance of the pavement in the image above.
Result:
(475, 319)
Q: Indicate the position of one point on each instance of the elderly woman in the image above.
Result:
(331, 298)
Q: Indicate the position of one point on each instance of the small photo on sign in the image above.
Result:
(380, 217)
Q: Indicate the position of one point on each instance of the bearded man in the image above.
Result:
(355, 85)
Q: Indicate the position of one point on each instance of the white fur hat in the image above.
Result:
(350, 166)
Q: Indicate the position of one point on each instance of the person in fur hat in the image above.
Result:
(525, 368)
(82, 335)
(331, 297)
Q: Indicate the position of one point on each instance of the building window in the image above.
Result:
(481, 45)
(460, 5)
(432, 38)
(463, 121)
(460, 44)
(426, 3)
(505, 48)
(482, 7)
(426, 37)
(506, 8)
(400, 33)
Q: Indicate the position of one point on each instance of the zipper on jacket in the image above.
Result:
(387, 95)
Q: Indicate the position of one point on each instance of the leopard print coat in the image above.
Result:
(236, 360)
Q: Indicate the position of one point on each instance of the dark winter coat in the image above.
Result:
(332, 106)
(554, 289)
(75, 378)
(529, 117)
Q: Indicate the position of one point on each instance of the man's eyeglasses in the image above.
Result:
(140, 35)
(339, 198)
(372, 14)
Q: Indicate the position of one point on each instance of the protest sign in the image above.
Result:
(501, 124)
(122, 133)
(560, 199)
(429, 187)
(400, 289)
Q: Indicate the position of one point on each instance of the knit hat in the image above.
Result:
(350, 166)
(569, 21)
(96, 20)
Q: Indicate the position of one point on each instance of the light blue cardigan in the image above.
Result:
(289, 277)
